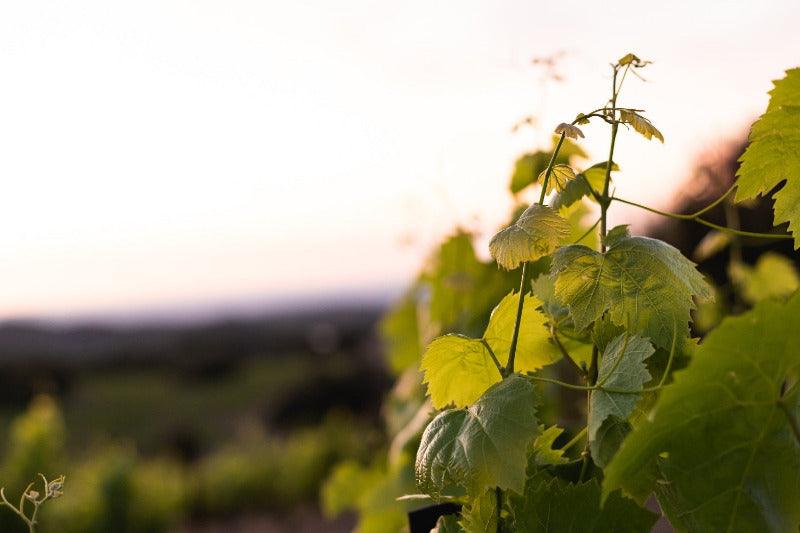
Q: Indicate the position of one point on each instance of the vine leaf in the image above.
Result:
(560, 176)
(622, 367)
(608, 439)
(773, 276)
(447, 524)
(553, 505)
(481, 447)
(645, 284)
(543, 451)
(774, 154)
(459, 369)
(528, 167)
(590, 179)
(480, 516)
(718, 446)
(640, 124)
(569, 130)
(536, 233)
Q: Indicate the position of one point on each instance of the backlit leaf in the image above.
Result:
(535, 234)
(570, 131)
(773, 276)
(560, 176)
(481, 447)
(621, 367)
(645, 284)
(543, 451)
(459, 369)
(640, 124)
(718, 447)
(773, 155)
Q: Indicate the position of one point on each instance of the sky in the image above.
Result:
(179, 153)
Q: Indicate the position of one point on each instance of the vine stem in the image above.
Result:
(523, 275)
(696, 218)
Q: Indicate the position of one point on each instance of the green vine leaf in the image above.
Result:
(621, 367)
(773, 276)
(560, 176)
(481, 516)
(774, 154)
(543, 451)
(718, 446)
(526, 169)
(536, 233)
(484, 446)
(459, 369)
(640, 124)
(553, 505)
(590, 179)
(616, 234)
(608, 439)
(645, 284)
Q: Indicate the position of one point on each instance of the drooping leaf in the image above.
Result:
(560, 176)
(536, 233)
(459, 369)
(645, 284)
(481, 447)
(552, 505)
(481, 515)
(773, 155)
(640, 124)
(622, 368)
(570, 131)
(608, 439)
(718, 447)
(773, 276)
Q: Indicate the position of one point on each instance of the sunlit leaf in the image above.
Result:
(535, 234)
(718, 447)
(773, 155)
(560, 176)
(459, 369)
(484, 446)
(773, 276)
(622, 368)
(645, 284)
(543, 451)
(570, 131)
(640, 124)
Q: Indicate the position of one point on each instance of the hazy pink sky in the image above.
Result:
(179, 151)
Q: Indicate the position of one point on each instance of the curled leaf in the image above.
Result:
(573, 132)
(640, 124)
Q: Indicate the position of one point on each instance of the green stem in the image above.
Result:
(587, 232)
(576, 439)
(513, 349)
(494, 358)
(564, 352)
(550, 169)
(704, 222)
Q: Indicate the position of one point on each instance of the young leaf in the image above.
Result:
(616, 234)
(627, 59)
(543, 451)
(774, 154)
(459, 369)
(590, 179)
(645, 284)
(535, 234)
(773, 276)
(718, 446)
(640, 124)
(484, 446)
(570, 131)
(552, 505)
(481, 515)
(622, 367)
(560, 176)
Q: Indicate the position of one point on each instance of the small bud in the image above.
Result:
(573, 132)
(32, 495)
